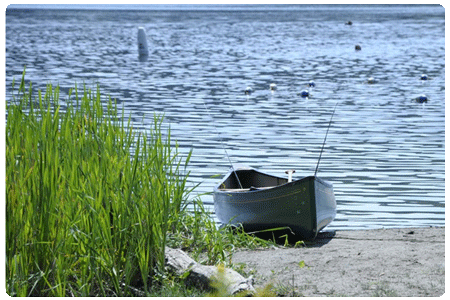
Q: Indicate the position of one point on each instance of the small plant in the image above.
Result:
(301, 264)
(287, 289)
(219, 284)
(266, 291)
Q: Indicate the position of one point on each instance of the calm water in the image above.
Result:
(384, 154)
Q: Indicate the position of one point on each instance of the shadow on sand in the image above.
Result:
(286, 237)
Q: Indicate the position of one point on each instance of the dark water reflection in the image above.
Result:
(384, 153)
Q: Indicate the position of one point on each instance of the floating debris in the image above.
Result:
(304, 93)
(273, 87)
(421, 99)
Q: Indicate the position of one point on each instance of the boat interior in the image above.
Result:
(250, 180)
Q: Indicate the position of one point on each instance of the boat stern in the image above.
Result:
(325, 203)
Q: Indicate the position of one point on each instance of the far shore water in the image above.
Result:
(380, 262)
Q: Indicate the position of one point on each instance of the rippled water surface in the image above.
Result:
(384, 152)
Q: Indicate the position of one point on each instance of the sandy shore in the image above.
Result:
(384, 262)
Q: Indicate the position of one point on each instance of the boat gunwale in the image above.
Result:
(217, 188)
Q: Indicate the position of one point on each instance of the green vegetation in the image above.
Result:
(91, 203)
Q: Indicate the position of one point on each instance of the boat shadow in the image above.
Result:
(322, 238)
(286, 237)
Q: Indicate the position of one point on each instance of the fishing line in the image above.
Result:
(323, 145)
(223, 146)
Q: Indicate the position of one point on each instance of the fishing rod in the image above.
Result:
(223, 146)
(323, 145)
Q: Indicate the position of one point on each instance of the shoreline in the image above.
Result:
(368, 262)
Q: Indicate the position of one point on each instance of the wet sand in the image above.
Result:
(382, 262)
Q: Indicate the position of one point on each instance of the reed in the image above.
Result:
(91, 203)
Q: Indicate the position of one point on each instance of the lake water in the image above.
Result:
(385, 153)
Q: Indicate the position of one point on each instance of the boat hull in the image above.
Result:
(305, 206)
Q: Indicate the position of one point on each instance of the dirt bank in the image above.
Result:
(384, 262)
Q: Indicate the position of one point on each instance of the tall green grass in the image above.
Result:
(91, 203)
(84, 214)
